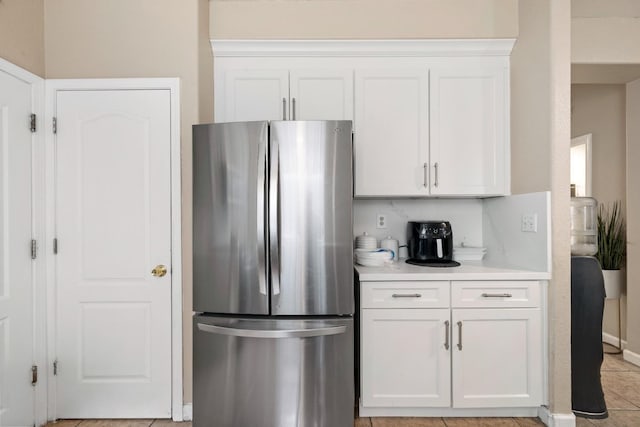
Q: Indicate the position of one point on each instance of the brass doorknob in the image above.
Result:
(159, 271)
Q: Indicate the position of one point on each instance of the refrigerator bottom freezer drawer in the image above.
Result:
(273, 373)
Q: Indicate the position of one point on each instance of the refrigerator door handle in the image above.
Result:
(274, 210)
(262, 274)
(260, 333)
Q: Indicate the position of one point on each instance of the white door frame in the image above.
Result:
(586, 140)
(38, 230)
(173, 85)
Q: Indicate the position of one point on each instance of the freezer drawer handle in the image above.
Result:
(497, 295)
(289, 333)
(406, 295)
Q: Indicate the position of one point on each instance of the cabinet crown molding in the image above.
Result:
(372, 48)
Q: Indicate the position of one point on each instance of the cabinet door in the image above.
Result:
(391, 132)
(404, 360)
(469, 131)
(251, 95)
(321, 94)
(497, 358)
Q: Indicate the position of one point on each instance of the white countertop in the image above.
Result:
(468, 270)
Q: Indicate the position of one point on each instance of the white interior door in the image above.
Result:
(113, 224)
(16, 289)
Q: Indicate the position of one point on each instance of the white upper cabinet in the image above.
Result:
(251, 95)
(391, 132)
(321, 94)
(431, 117)
(469, 129)
(282, 94)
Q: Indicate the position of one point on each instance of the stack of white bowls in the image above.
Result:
(366, 242)
(368, 253)
(374, 258)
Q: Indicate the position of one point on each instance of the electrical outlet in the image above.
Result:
(381, 221)
(529, 223)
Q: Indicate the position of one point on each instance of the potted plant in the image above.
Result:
(612, 245)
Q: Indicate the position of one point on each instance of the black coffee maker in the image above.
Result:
(430, 243)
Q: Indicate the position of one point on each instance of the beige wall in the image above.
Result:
(540, 138)
(144, 38)
(362, 19)
(601, 111)
(22, 34)
(633, 211)
(608, 40)
(530, 123)
(599, 8)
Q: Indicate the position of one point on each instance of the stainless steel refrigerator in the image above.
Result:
(273, 274)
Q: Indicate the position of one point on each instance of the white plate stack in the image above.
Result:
(469, 253)
(374, 258)
(368, 254)
(366, 242)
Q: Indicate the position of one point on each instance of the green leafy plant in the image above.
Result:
(612, 241)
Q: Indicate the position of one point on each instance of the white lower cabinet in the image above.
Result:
(496, 358)
(405, 362)
(456, 345)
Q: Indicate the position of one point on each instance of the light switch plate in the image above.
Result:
(529, 223)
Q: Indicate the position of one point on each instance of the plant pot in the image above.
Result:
(614, 281)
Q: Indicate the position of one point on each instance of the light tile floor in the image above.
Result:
(621, 385)
(620, 381)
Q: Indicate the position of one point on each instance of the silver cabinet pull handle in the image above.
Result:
(406, 295)
(284, 108)
(260, 333)
(425, 174)
(435, 167)
(446, 335)
(293, 108)
(262, 271)
(497, 295)
(459, 335)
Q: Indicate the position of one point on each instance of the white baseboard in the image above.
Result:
(556, 420)
(631, 357)
(612, 340)
(187, 412)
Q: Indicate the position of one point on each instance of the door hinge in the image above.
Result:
(55, 246)
(34, 375)
(34, 249)
(55, 125)
(32, 123)
(55, 367)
